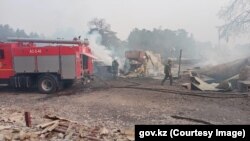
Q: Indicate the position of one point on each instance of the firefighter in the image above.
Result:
(167, 71)
(145, 61)
(145, 70)
(115, 66)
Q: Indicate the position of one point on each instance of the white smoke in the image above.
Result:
(222, 54)
(101, 52)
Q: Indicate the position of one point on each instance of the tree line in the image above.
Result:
(164, 41)
(6, 31)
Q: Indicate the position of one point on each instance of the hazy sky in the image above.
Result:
(59, 16)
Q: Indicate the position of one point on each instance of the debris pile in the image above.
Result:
(142, 63)
(244, 79)
(56, 129)
(225, 71)
(224, 77)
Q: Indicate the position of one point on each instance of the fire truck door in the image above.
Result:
(85, 62)
(5, 63)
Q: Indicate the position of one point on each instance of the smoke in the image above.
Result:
(101, 52)
(215, 55)
(105, 54)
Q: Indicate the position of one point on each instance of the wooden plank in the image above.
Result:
(4, 127)
(46, 124)
(50, 128)
(53, 126)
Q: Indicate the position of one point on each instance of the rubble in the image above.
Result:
(142, 63)
(198, 84)
(244, 79)
(244, 86)
(245, 73)
(232, 75)
(4, 127)
(224, 71)
(105, 113)
(225, 85)
(57, 128)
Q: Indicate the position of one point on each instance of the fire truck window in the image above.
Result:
(1, 54)
(85, 61)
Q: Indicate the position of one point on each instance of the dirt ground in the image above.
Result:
(103, 104)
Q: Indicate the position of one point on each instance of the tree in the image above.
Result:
(109, 38)
(99, 25)
(104, 29)
(237, 17)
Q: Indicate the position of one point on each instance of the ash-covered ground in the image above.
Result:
(113, 103)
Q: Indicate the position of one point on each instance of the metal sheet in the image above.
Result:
(198, 84)
(68, 66)
(48, 63)
(24, 64)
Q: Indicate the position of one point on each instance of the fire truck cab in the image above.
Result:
(48, 65)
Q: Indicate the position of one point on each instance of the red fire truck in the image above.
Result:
(48, 65)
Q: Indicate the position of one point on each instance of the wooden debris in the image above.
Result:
(58, 129)
(130, 134)
(69, 128)
(23, 135)
(53, 126)
(58, 118)
(104, 131)
(44, 135)
(46, 124)
(60, 135)
(69, 135)
(64, 124)
(81, 132)
(50, 128)
(8, 137)
(92, 138)
(4, 127)
(16, 130)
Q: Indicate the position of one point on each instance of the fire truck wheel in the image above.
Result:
(47, 84)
